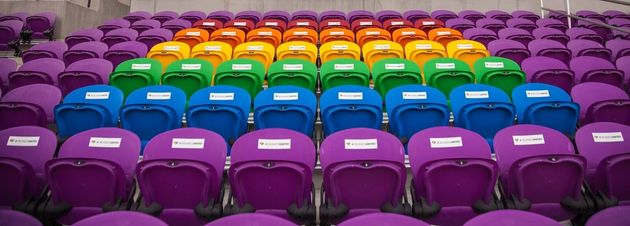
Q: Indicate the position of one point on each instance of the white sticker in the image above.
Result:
(292, 67)
(373, 33)
(208, 23)
(303, 23)
(394, 66)
(493, 64)
(350, 96)
(171, 48)
(271, 23)
(464, 46)
(241, 67)
(536, 93)
(398, 23)
(608, 137)
(354, 144)
(228, 33)
(295, 48)
(255, 48)
(105, 142)
(365, 23)
(212, 48)
(221, 96)
(300, 33)
(193, 33)
(187, 143)
(408, 33)
(444, 65)
(337, 23)
(476, 94)
(240, 24)
(191, 66)
(23, 141)
(382, 46)
(529, 139)
(440, 33)
(140, 66)
(344, 66)
(158, 95)
(446, 142)
(339, 47)
(423, 46)
(264, 33)
(414, 95)
(268, 144)
(285, 96)
(337, 33)
(97, 95)
(428, 22)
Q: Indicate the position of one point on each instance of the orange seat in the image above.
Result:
(445, 35)
(370, 34)
(232, 36)
(406, 35)
(192, 36)
(336, 34)
(300, 34)
(265, 34)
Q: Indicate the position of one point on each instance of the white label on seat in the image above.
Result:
(264, 33)
(285, 96)
(476, 94)
(445, 65)
(255, 48)
(428, 22)
(494, 64)
(241, 67)
(339, 47)
(398, 23)
(464, 46)
(212, 48)
(440, 33)
(414, 95)
(105, 142)
(300, 33)
(240, 24)
(221, 96)
(191, 66)
(408, 33)
(608, 137)
(293, 48)
(383, 46)
(271, 23)
(171, 48)
(140, 66)
(292, 67)
(344, 66)
(354, 144)
(274, 144)
(303, 23)
(394, 66)
(537, 93)
(187, 143)
(208, 23)
(446, 142)
(336, 23)
(23, 141)
(193, 33)
(423, 46)
(97, 95)
(158, 95)
(529, 139)
(350, 96)
(228, 33)
(373, 33)
(365, 23)
(337, 33)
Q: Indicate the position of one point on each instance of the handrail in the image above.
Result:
(588, 20)
(618, 2)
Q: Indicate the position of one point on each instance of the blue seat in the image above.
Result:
(482, 108)
(222, 109)
(88, 108)
(412, 108)
(151, 110)
(546, 105)
(350, 106)
(288, 107)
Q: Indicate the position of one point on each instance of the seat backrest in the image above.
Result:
(524, 14)
(396, 23)
(276, 24)
(344, 71)
(381, 49)
(8, 215)
(619, 48)
(445, 35)
(336, 34)
(506, 216)
(551, 34)
(278, 15)
(83, 73)
(193, 16)
(359, 14)
(491, 23)
(546, 105)
(550, 48)
(136, 73)
(246, 218)
(244, 73)
(222, 15)
(169, 52)
(363, 23)
(145, 24)
(595, 69)
(6, 66)
(382, 219)
(510, 49)
(84, 35)
(210, 25)
(498, 15)
(517, 34)
(39, 71)
(85, 50)
(447, 73)
(350, 106)
(260, 51)
(152, 37)
(428, 24)
(339, 49)
(164, 16)
(481, 35)
(265, 34)
(121, 217)
(250, 15)
(29, 105)
(192, 36)
(391, 73)
(366, 35)
(500, 72)
(304, 14)
(594, 97)
(414, 15)
(467, 51)
(119, 35)
(548, 70)
(295, 72)
(113, 24)
(522, 23)
(304, 23)
(244, 25)
(288, 107)
(581, 47)
(123, 51)
(54, 49)
(297, 50)
(385, 15)
(175, 25)
(333, 23)
(332, 14)
(421, 51)
(409, 34)
(553, 23)
(472, 15)
(189, 75)
(214, 52)
(301, 34)
(228, 35)
(443, 15)
(460, 24)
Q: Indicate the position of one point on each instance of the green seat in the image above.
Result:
(136, 73)
(499, 72)
(447, 73)
(344, 71)
(189, 75)
(244, 73)
(294, 72)
(393, 72)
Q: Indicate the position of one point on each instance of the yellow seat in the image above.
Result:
(297, 50)
(169, 52)
(421, 51)
(380, 49)
(339, 49)
(261, 51)
(214, 52)
(467, 51)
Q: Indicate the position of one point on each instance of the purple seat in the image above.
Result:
(23, 152)
(176, 25)
(613, 14)
(521, 23)
(250, 15)
(305, 14)
(10, 35)
(21, 16)
(472, 15)
(619, 48)
(452, 168)
(154, 36)
(85, 35)
(363, 171)
(53, 49)
(119, 35)
(581, 47)
(491, 24)
(551, 34)
(39, 71)
(7, 66)
(443, 15)
(278, 15)
(621, 35)
(600, 102)
(193, 16)
(578, 33)
(271, 171)
(92, 173)
(84, 50)
(385, 15)
(511, 218)
(413, 15)
(200, 158)
(622, 63)
(593, 69)
(561, 16)
(359, 14)
(613, 216)
(524, 14)
(602, 31)
(552, 23)
(591, 15)
(332, 14)
(251, 219)
(31, 105)
(132, 17)
(383, 219)
(539, 170)
(223, 16)
(605, 147)
(143, 25)
(619, 22)
(114, 24)
(510, 49)
(482, 35)
(550, 48)
(17, 218)
(123, 51)
(498, 15)
(164, 16)
(84, 73)
(460, 24)
(120, 218)
(516, 34)
(548, 70)
(41, 25)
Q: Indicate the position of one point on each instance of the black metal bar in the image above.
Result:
(89, 3)
(618, 2)
(588, 20)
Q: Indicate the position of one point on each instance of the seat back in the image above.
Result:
(600, 102)
(119, 35)
(134, 74)
(594, 69)
(303, 34)
(481, 35)
(164, 16)
(582, 47)
(407, 35)
(505, 216)
(499, 72)
(339, 49)
(17, 216)
(350, 106)
(249, 15)
(265, 34)
(145, 24)
(546, 105)
(382, 219)
(550, 48)
(550, 34)
(372, 34)
(336, 34)
(522, 23)
(520, 35)
(244, 25)
(391, 73)
(294, 72)
(54, 49)
(467, 51)
(288, 107)
(428, 24)
(445, 35)
(510, 49)
(192, 16)
(344, 72)
(88, 108)
(414, 15)
(381, 49)
(215, 52)
(85, 35)
(549, 71)
(122, 217)
(221, 15)
(394, 24)
(189, 75)
(114, 24)
(332, 14)
(123, 51)
(247, 74)
(446, 74)
(192, 36)
(276, 24)
(40, 71)
(29, 105)
(297, 50)
(491, 23)
(422, 51)
(210, 25)
(169, 52)
(364, 23)
(152, 37)
(460, 24)
(84, 73)
(85, 50)
(260, 51)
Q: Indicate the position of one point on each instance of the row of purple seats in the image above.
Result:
(149, 37)
(38, 26)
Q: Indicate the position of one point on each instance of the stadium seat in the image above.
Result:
(581, 33)
(153, 37)
(551, 34)
(445, 74)
(520, 35)
(510, 49)
(231, 36)
(301, 34)
(366, 35)
(87, 108)
(332, 14)
(444, 35)
(136, 73)
(84, 73)
(265, 34)
(192, 36)
(276, 24)
(294, 72)
(241, 24)
(344, 71)
(499, 72)
(164, 16)
(304, 14)
(421, 51)
(288, 107)
(10, 31)
(334, 23)
(193, 16)
(549, 48)
(246, 218)
(215, 52)
(549, 71)
(472, 15)
(249, 15)
(335, 34)
(113, 24)
(510, 216)
(303, 23)
(121, 217)
(210, 25)
(189, 75)
(460, 24)
(385, 15)
(124, 51)
(15, 218)
(364, 23)
(524, 14)
(600, 102)
(481, 35)
(552, 23)
(7, 66)
(521, 23)
(414, 15)
(491, 24)
(84, 50)
(40, 71)
(428, 24)
(145, 24)
(588, 48)
(277, 15)
(338, 50)
(467, 51)
(619, 48)
(622, 64)
(169, 52)
(84, 35)
(407, 35)
(498, 15)
(359, 14)
(379, 50)
(221, 15)
(392, 25)
(546, 105)
(383, 219)
(391, 73)
(297, 50)
(443, 15)
(594, 69)
(119, 35)
(40, 26)
(30, 105)
(350, 106)
(614, 216)
(247, 74)
(54, 49)
(260, 51)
